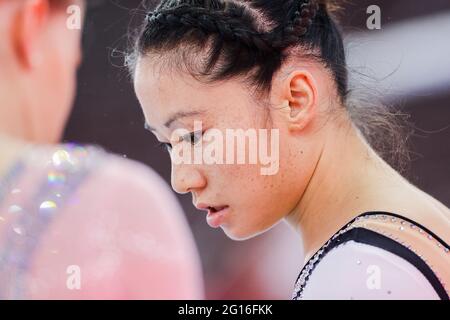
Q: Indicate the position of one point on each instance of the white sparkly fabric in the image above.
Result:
(360, 271)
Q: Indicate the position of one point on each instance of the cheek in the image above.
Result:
(262, 201)
(257, 200)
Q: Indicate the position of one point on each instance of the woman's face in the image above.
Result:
(255, 201)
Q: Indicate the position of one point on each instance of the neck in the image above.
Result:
(12, 118)
(346, 178)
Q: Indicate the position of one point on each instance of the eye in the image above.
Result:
(193, 137)
(164, 145)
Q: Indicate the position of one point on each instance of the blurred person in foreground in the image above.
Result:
(75, 222)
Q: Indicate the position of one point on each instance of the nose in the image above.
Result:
(186, 178)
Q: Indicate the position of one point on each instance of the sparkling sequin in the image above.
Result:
(15, 209)
(47, 207)
(61, 158)
(55, 177)
(18, 230)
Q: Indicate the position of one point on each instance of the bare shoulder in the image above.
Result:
(430, 212)
(417, 205)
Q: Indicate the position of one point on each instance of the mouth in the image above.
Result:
(215, 209)
(216, 214)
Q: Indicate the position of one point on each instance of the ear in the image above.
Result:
(29, 29)
(300, 96)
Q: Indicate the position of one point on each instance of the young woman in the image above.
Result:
(75, 222)
(367, 232)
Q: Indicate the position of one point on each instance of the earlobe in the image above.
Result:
(28, 33)
(301, 96)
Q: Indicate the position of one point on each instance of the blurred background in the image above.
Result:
(407, 60)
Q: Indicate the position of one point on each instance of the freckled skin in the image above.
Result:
(327, 173)
(257, 202)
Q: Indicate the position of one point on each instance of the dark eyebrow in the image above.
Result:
(176, 116)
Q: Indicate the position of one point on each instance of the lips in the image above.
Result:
(207, 207)
(216, 209)
(216, 214)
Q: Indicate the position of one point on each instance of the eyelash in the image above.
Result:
(191, 136)
(163, 145)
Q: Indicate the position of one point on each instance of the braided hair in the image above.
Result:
(247, 38)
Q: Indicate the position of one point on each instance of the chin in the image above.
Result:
(240, 234)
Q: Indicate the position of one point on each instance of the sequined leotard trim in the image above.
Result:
(356, 230)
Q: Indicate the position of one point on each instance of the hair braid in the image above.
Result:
(227, 24)
(300, 19)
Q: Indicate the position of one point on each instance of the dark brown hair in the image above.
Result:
(216, 40)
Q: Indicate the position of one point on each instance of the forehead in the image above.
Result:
(162, 92)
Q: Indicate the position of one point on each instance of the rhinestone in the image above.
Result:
(393, 219)
(18, 230)
(358, 262)
(401, 228)
(15, 209)
(420, 230)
